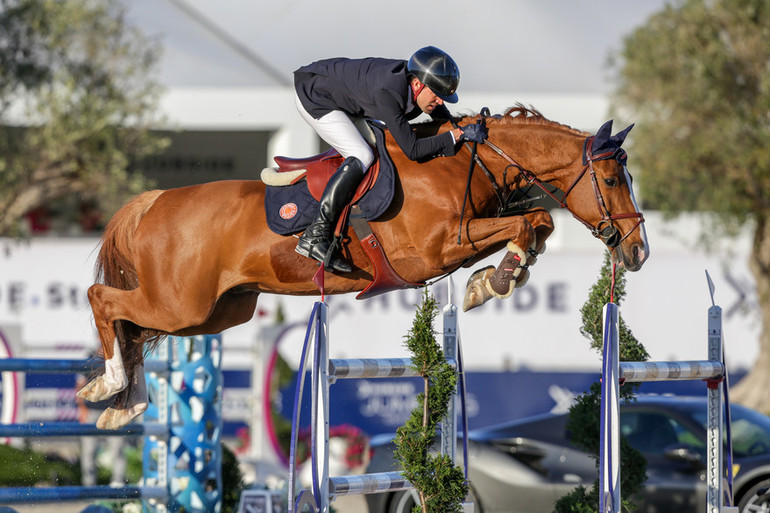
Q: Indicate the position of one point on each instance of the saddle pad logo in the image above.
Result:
(288, 211)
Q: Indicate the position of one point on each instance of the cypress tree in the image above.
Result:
(441, 485)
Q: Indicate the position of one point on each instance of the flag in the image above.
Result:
(318, 279)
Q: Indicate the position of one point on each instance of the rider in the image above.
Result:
(332, 93)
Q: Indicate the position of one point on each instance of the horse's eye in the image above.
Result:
(610, 182)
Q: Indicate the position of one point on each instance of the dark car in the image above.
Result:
(526, 465)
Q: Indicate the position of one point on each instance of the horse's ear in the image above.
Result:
(603, 135)
(621, 136)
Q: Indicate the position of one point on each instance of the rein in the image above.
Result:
(475, 159)
(605, 229)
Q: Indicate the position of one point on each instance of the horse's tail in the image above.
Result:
(115, 268)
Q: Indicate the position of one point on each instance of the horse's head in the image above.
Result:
(601, 196)
(596, 189)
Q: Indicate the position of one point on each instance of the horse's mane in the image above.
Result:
(523, 115)
(516, 115)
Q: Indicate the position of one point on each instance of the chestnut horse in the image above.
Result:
(193, 260)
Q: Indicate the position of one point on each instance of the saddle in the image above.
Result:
(294, 189)
(318, 169)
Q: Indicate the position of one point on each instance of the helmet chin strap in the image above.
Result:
(417, 90)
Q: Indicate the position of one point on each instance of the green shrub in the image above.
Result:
(25, 467)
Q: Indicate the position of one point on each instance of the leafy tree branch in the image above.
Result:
(77, 105)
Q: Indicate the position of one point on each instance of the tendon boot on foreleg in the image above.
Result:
(489, 282)
(511, 273)
(316, 241)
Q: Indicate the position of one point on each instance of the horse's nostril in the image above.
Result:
(638, 255)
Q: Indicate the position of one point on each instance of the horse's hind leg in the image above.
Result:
(114, 378)
(235, 307)
(138, 400)
(111, 382)
(180, 318)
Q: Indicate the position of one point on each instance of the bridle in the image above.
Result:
(605, 229)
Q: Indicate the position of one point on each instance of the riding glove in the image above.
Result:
(475, 133)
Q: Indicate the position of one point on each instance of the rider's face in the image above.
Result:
(426, 99)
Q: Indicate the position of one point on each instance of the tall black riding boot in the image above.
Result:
(317, 238)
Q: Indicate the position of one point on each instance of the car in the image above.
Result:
(526, 465)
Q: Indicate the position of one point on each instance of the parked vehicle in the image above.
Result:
(526, 465)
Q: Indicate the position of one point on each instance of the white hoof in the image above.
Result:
(113, 418)
(99, 389)
(476, 293)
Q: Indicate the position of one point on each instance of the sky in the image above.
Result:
(544, 46)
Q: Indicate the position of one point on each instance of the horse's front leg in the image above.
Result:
(527, 240)
(542, 223)
(513, 271)
(499, 282)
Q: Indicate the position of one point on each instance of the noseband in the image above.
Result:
(605, 229)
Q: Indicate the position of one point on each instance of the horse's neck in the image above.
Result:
(551, 154)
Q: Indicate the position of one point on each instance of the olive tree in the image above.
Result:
(696, 79)
(77, 102)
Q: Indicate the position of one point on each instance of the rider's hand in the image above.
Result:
(474, 133)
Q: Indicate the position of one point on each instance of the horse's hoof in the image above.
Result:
(95, 391)
(112, 418)
(83, 393)
(99, 389)
(476, 293)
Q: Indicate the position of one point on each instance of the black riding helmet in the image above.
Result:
(437, 70)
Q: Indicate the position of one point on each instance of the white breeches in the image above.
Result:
(341, 133)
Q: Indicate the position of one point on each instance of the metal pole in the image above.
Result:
(715, 418)
(449, 428)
